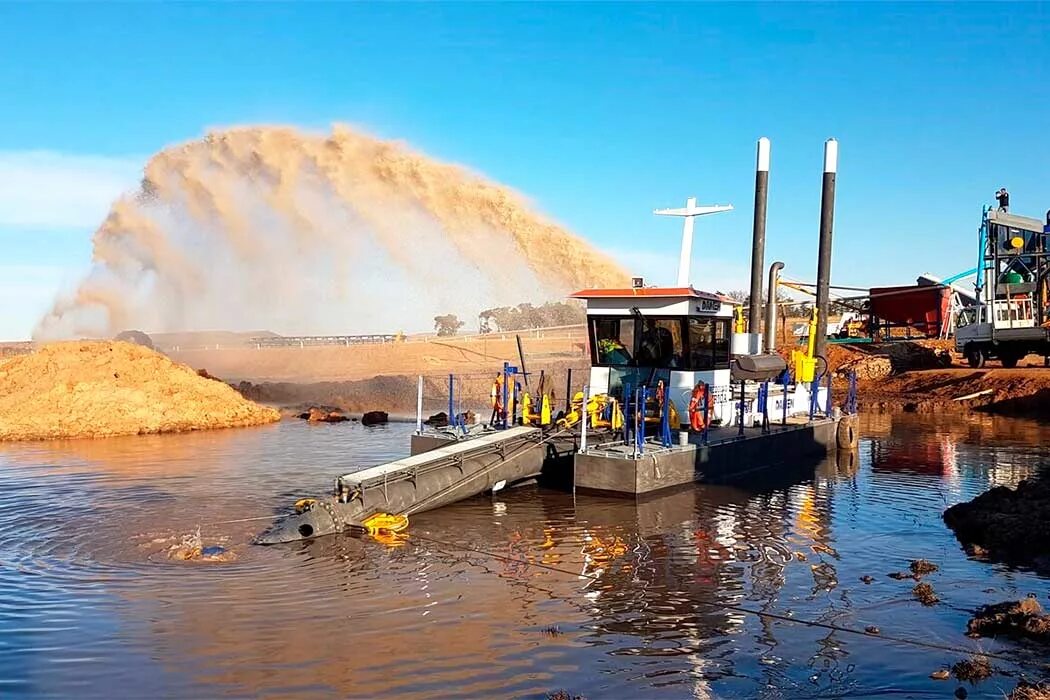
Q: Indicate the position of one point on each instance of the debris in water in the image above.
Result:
(552, 631)
(191, 548)
(438, 420)
(563, 695)
(323, 415)
(872, 629)
(901, 575)
(921, 567)
(923, 592)
(867, 579)
(941, 674)
(375, 418)
(961, 693)
(973, 669)
(1012, 524)
(1019, 619)
(1030, 691)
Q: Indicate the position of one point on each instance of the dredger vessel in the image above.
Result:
(678, 391)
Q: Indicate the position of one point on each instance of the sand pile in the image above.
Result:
(876, 361)
(100, 389)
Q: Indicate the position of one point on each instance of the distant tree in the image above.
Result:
(447, 325)
(526, 316)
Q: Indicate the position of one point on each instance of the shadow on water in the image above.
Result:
(510, 595)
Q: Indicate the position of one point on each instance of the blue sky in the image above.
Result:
(598, 113)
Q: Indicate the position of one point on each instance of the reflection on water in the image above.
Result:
(508, 597)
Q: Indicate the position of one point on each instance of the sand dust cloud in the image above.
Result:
(274, 228)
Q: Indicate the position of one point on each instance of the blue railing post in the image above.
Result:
(628, 402)
(451, 411)
(707, 408)
(665, 418)
(740, 418)
(763, 391)
(506, 378)
(814, 389)
(851, 394)
(827, 403)
(784, 418)
(639, 409)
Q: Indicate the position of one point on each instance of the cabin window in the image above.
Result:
(660, 343)
(613, 340)
(708, 343)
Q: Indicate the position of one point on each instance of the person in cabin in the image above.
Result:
(1003, 197)
(657, 346)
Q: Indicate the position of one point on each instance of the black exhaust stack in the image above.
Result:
(827, 216)
(758, 241)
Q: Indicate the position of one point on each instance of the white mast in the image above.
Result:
(690, 212)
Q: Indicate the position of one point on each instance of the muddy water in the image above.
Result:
(599, 596)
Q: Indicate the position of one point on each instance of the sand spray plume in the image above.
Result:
(270, 227)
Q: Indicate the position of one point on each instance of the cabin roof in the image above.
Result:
(649, 292)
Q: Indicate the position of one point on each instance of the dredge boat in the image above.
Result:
(677, 392)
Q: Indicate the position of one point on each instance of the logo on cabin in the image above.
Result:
(708, 306)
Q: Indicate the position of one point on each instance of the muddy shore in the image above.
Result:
(919, 377)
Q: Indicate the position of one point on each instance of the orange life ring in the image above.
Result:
(697, 419)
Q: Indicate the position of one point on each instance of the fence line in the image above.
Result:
(576, 332)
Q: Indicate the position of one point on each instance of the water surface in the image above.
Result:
(514, 595)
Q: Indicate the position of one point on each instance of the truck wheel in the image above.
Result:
(1009, 360)
(975, 356)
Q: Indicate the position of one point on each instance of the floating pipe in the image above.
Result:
(758, 237)
(771, 307)
(827, 216)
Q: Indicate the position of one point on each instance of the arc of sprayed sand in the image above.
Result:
(374, 177)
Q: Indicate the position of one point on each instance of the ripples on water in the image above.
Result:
(600, 596)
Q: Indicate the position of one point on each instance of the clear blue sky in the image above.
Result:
(599, 113)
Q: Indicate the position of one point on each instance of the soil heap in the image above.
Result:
(101, 388)
(1009, 524)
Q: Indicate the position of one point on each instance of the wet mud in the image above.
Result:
(1021, 619)
(1007, 524)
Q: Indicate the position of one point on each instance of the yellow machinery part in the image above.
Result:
(527, 416)
(303, 504)
(385, 523)
(528, 406)
(545, 410)
(804, 363)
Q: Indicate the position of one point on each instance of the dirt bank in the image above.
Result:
(99, 389)
(929, 377)
(332, 363)
(1007, 524)
(1015, 392)
(397, 394)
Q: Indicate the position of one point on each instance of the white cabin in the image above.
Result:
(641, 335)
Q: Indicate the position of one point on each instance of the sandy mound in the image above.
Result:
(100, 389)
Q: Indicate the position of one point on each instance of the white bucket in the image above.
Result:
(683, 437)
